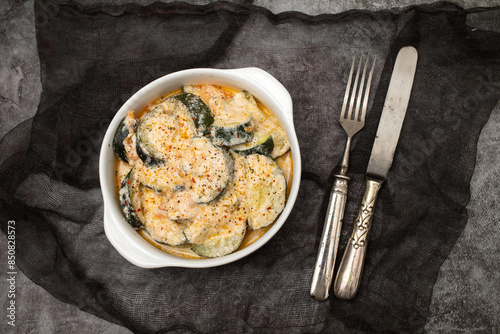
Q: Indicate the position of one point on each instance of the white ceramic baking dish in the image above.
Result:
(259, 83)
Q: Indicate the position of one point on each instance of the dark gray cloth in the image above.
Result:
(94, 57)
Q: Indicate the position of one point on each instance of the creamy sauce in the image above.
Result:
(284, 161)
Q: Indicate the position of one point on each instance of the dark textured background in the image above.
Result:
(466, 296)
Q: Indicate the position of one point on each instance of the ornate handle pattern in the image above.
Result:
(350, 270)
(325, 261)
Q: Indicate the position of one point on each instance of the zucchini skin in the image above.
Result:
(265, 148)
(120, 135)
(229, 136)
(126, 202)
(199, 111)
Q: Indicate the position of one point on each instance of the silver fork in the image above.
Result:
(352, 120)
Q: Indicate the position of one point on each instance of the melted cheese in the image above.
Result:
(206, 92)
(223, 218)
(163, 177)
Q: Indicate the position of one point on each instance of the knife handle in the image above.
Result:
(349, 275)
(325, 261)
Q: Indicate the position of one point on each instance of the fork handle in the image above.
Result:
(349, 274)
(325, 261)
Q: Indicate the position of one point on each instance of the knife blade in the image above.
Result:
(384, 146)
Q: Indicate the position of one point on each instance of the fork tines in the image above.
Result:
(355, 87)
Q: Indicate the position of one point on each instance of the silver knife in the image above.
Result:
(393, 114)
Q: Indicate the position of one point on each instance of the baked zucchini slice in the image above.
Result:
(120, 135)
(262, 143)
(129, 192)
(199, 111)
(148, 150)
(159, 226)
(209, 167)
(231, 126)
(218, 228)
(163, 131)
(265, 190)
(221, 244)
(128, 123)
(263, 122)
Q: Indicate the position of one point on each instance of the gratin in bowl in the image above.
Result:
(257, 82)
